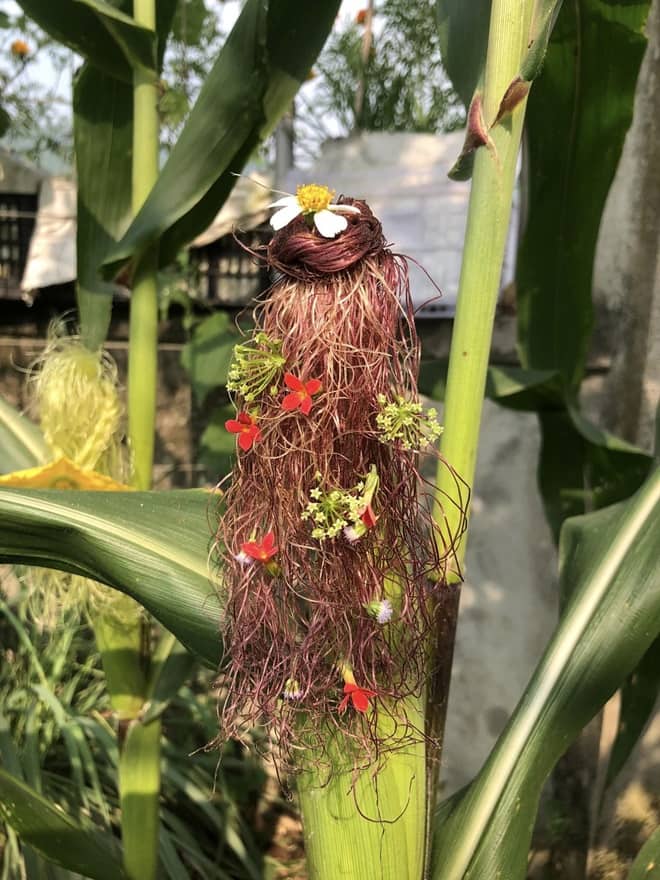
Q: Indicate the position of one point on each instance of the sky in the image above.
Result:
(43, 69)
(229, 11)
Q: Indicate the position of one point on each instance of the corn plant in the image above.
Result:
(356, 627)
(117, 152)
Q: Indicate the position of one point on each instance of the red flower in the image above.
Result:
(361, 17)
(301, 393)
(368, 517)
(247, 429)
(262, 550)
(356, 695)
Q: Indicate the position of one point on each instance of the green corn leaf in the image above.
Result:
(463, 40)
(21, 442)
(98, 31)
(639, 696)
(609, 559)
(172, 864)
(578, 115)
(154, 546)
(103, 134)
(520, 389)
(266, 57)
(582, 467)
(56, 835)
(647, 863)
(171, 667)
(8, 753)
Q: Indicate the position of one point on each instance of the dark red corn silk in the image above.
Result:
(343, 310)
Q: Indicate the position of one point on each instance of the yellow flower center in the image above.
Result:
(313, 198)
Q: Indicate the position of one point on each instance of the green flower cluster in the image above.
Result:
(255, 366)
(334, 510)
(405, 420)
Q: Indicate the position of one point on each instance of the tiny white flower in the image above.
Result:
(381, 609)
(243, 559)
(355, 532)
(315, 200)
(385, 611)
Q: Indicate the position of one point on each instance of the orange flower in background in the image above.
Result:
(19, 48)
(247, 429)
(358, 696)
(361, 17)
(301, 393)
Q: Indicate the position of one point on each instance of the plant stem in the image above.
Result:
(139, 767)
(487, 225)
(483, 254)
(143, 332)
(119, 644)
(139, 771)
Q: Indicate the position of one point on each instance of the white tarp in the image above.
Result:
(403, 177)
(52, 254)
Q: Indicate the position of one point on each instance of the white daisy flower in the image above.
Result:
(313, 200)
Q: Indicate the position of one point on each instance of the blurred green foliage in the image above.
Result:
(57, 736)
(405, 86)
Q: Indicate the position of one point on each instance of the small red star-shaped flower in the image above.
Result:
(247, 429)
(261, 551)
(356, 695)
(301, 393)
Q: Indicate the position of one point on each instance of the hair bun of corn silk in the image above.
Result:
(331, 555)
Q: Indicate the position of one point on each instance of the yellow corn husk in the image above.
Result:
(75, 392)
